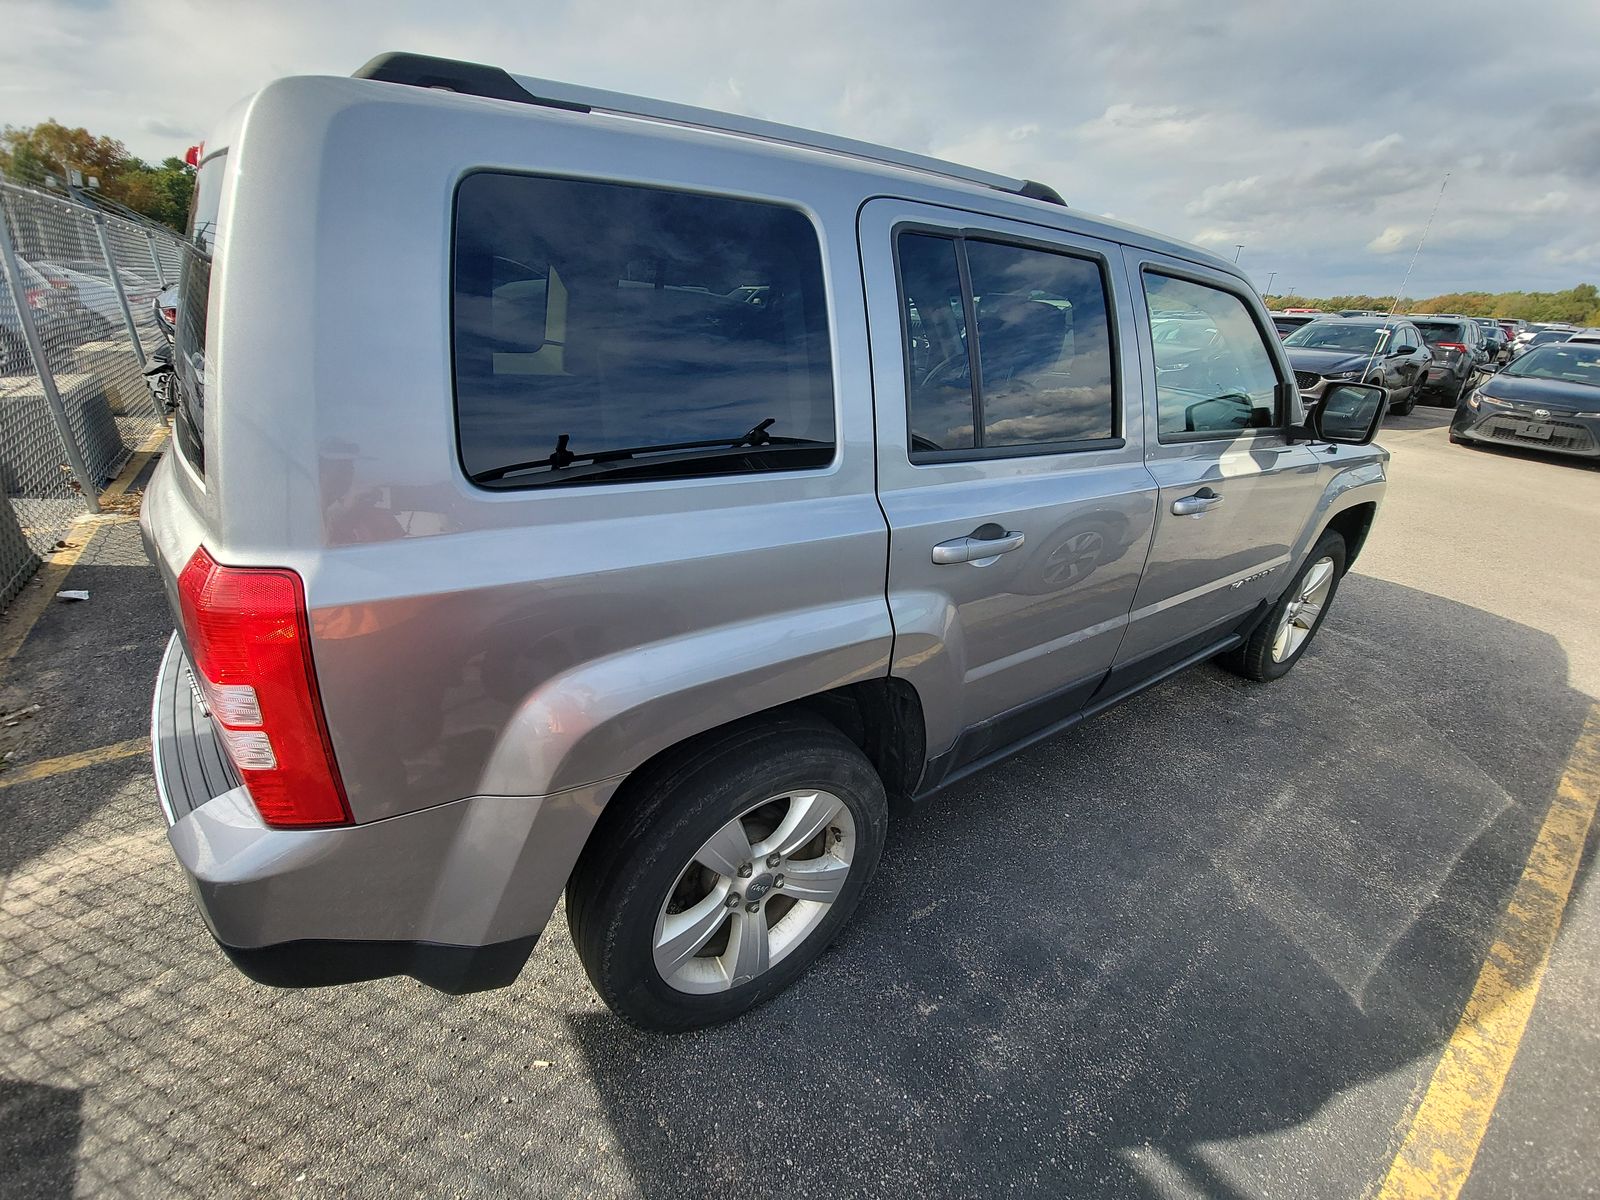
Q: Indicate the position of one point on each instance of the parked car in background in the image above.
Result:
(444, 651)
(97, 296)
(1458, 354)
(1287, 322)
(1586, 337)
(57, 317)
(1497, 348)
(165, 306)
(1542, 335)
(1548, 399)
(1392, 355)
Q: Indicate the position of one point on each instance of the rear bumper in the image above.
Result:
(454, 895)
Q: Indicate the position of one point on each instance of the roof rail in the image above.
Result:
(476, 79)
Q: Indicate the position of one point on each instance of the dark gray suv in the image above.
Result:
(647, 504)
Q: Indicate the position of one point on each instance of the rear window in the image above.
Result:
(607, 332)
(1441, 331)
(194, 306)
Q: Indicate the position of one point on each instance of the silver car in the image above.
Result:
(648, 504)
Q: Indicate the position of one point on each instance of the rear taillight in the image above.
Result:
(1458, 347)
(169, 315)
(250, 645)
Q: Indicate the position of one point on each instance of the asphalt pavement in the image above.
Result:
(1213, 943)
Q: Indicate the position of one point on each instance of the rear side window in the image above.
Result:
(607, 332)
(1043, 377)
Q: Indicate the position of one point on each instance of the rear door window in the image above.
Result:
(608, 332)
(1044, 378)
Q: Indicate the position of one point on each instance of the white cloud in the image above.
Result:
(1199, 121)
(1393, 238)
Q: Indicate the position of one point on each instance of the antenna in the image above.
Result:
(1411, 266)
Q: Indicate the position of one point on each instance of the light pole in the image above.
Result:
(1271, 275)
(1236, 252)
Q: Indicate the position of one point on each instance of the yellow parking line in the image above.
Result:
(1449, 1124)
(45, 768)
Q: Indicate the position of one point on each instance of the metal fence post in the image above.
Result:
(41, 364)
(116, 282)
(155, 259)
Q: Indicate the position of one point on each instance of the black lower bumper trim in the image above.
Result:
(326, 963)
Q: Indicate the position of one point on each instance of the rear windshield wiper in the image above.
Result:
(562, 459)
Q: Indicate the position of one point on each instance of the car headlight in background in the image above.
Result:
(1345, 375)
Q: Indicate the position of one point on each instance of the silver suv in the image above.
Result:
(577, 492)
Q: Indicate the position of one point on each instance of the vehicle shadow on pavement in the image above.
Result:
(1207, 916)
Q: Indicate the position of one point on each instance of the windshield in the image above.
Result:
(1545, 336)
(1321, 335)
(1570, 363)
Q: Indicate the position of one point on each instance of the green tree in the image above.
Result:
(161, 193)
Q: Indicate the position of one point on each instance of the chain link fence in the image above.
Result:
(78, 295)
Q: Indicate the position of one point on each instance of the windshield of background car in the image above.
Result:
(1546, 336)
(194, 307)
(1569, 363)
(1435, 332)
(1318, 336)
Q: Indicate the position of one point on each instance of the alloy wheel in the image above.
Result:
(1300, 617)
(754, 891)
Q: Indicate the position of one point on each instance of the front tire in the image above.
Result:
(726, 872)
(1282, 637)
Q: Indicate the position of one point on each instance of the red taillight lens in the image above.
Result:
(1458, 347)
(250, 643)
(169, 315)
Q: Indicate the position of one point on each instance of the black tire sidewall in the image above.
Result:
(612, 908)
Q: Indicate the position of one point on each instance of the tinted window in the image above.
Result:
(606, 332)
(1216, 375)
(194, 308)
(939, 394)
(1043, 348)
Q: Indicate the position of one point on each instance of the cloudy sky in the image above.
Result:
(1313, 132)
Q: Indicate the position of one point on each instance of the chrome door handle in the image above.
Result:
(1193, 506)
(975, 549)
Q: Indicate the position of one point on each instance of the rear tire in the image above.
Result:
(645, 872)
(1283, 635)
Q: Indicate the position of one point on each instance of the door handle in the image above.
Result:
(975, 549)
(1193, 506)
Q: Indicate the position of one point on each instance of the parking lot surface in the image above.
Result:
(1216, 943)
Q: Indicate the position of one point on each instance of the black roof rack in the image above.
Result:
(476, 79)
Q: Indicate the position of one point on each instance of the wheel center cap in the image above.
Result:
(758, 887)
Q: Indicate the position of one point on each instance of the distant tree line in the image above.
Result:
(34, 154)
(1576, 306)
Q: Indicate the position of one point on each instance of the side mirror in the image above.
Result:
(1349, 415)
(1403, 350)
